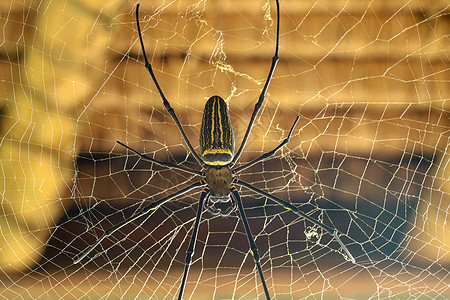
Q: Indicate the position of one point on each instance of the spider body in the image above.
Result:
(216, 133)
(219, 180)
(217, 161)
(217, 151)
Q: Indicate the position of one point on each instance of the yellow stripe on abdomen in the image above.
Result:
(216, 134)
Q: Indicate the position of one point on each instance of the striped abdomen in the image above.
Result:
(216, 134)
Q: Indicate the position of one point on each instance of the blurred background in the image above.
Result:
(369, 156)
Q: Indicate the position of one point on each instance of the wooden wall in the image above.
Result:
(368, 79)
(366, 58)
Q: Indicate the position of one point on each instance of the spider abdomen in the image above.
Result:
(216, 133)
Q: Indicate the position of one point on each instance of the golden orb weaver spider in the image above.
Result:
(217, 160)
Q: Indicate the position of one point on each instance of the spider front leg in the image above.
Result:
(191, 247)
(251, 241)
(298, 212)
(151, 207)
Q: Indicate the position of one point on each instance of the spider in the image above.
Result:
(218, 175)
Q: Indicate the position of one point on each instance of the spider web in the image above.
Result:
(369, 156)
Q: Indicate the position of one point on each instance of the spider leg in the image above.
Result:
(251, 241)
(268, 154)
(191, 247)
(263, 92)
(170, 110)
(145, 210)
(160, 163)
(298, 212)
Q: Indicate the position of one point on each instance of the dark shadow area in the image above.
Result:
(383, 195)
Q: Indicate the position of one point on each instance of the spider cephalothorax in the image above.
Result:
(219, 180)
(217, 161)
